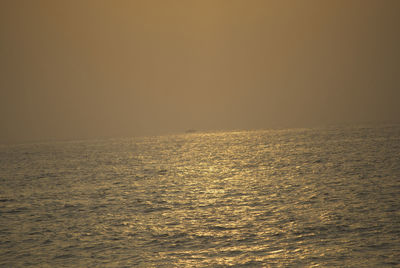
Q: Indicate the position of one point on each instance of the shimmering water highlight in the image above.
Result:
(327, 197)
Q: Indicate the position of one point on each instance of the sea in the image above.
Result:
(303, 197)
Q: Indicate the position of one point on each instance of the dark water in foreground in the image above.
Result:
(328, 197)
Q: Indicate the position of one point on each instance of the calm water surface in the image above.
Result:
(327, 197)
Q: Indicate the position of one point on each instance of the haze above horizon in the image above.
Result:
(81, 69)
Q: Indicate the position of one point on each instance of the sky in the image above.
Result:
(91, 69)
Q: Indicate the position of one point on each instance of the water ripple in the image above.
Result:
(300, 197)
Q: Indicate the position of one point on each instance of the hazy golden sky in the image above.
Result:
(78, 69)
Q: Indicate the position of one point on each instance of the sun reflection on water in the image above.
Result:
(278, 198)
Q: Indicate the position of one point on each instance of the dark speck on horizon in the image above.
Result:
(208, 133)
(101, 69)
(289, 197)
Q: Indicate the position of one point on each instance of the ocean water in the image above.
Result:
(297, 197)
